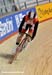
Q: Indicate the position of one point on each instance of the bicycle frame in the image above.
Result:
(19, 48)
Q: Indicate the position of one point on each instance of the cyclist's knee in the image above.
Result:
(33, 36)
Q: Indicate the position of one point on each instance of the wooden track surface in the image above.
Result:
(36, 59)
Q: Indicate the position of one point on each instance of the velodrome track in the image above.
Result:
(36, 59)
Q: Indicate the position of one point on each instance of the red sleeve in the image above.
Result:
(35, 19)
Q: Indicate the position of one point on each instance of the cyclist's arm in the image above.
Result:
(35, 29)
(22, 23)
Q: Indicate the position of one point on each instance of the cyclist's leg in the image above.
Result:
(19, 38)
(31, 30)
(21, 33)
(28, 38)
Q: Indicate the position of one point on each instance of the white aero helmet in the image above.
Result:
(32, 14)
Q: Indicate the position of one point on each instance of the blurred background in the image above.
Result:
(11, 6)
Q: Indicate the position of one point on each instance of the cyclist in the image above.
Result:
(29, 21)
